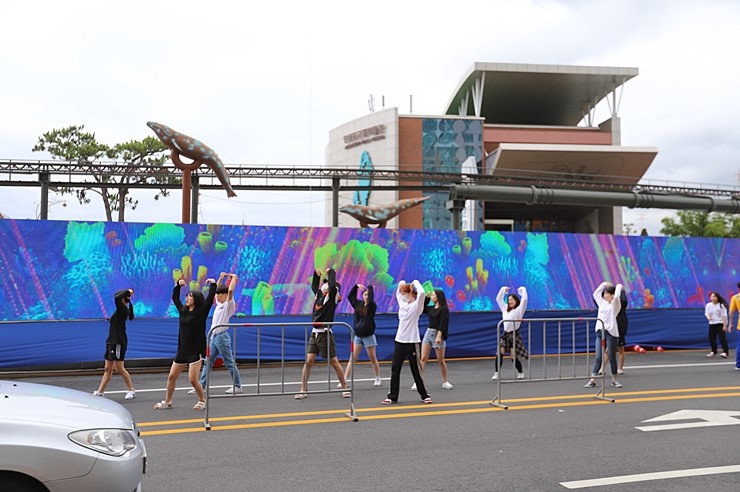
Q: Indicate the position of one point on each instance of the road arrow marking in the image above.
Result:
(701, 418)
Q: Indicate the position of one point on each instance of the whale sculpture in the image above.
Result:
(379, 214)
(181, 144)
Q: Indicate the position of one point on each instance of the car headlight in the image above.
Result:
(114, 442)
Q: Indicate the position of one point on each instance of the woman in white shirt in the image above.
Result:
(716, 313)
(607, 297)
(511, 341)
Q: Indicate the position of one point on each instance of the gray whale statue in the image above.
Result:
(380, 214)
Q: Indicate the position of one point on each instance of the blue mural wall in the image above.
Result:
(61, 270)
(54, 270)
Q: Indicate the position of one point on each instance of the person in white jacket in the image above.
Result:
(411, 301)
(512, 308)
(716, 313)
(607, 296)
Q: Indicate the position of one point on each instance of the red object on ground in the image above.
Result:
(659, 349)
(219, 362)
(636, 348)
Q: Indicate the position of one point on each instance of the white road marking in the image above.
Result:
(644, 477)
(333, 382)
(702, 418)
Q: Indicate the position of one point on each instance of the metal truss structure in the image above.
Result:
(51, 174)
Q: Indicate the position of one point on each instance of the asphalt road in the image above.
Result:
(554, 432)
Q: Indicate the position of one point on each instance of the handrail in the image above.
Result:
(601, 395)
(306, 324)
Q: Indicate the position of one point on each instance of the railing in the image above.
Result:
(573, 355)
(259, 326)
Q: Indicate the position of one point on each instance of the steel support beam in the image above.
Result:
(532, 195)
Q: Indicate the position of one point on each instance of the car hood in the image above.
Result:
(60, 406)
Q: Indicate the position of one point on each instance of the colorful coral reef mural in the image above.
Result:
(70, 270)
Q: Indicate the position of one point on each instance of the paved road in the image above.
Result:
(553, 433)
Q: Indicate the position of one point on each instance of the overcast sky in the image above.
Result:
(263, 83)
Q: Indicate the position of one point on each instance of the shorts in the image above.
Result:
(622, 327)
(430, 338)
(188, 358)
(115, 351)
(317, 344)
(367, 342)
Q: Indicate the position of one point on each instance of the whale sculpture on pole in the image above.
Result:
(380, 214)
(183, 145)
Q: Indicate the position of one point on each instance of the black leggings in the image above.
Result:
(517, 363)
(715, 330)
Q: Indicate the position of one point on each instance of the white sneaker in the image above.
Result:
(191, 392)
(413, 387)
(710, 354)
(495, 376)
(231, 391)
(377, 382)
(520, 375)
(98, 393)
(339, 385)
(446, 385)
(620, 372)
(130, 395)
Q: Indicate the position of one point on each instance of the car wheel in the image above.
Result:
(20, 483)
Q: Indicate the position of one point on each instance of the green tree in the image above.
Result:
(697, 223)
(73, 143)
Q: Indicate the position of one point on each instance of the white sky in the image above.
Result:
(264, 82)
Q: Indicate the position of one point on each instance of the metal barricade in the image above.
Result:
(307, 329)
(562, 325)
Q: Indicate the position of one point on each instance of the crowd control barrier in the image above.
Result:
(272, 326)
(561, 365)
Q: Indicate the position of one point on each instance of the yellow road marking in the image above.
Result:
(438, 409)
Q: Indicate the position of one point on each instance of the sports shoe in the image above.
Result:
(446, 385)
(616, 384)
(377, 382)
(495, 376)
(98, 393)
(346, 394)
(339, 385)
(620, 372)
(191, 392)
(737, 368)
(130, 395)
(428, 399)
(723, 355)
(388, 401)
(590, 384)
(710, 354)
(231, 391)
(520, 375)
(413, 387)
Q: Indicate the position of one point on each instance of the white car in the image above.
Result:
(58, 439)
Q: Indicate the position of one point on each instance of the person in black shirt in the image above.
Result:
(436, 335)
(322, 338)
(117, 343)
(364, 329)
(191, 341)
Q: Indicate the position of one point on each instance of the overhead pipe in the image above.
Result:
(532, 195)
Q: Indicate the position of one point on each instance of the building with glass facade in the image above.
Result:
(513, 122)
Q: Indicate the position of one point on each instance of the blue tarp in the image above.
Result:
(48, 344)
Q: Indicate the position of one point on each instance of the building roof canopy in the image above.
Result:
(524, 94)
(577, 163)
